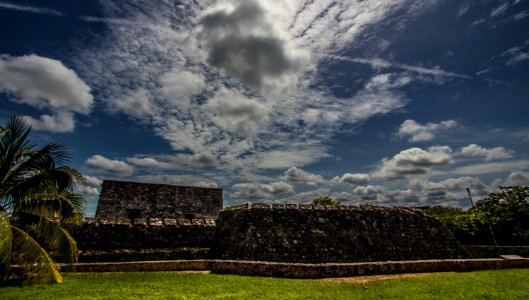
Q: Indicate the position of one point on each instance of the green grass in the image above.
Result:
(502, 284)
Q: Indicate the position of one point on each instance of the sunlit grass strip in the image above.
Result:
(499, 284)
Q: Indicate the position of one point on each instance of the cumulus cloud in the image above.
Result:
(241, 40)
(103, 164)
(353, 179)
(309, 196)
(45, 83)
(513, 179)
(137, 104)
(235, 113)
(61, 122)
(414, 161)
(490, 154)
(206, 184)
(90, 186)
(459, 184)
(419, 133)
(204, 158)
(92, 181)
(294, 174)
(261, 191)
(178, 86)
(492, 167)
(149, 162)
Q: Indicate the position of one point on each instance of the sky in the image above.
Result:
(386, 102)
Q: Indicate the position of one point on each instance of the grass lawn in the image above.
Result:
(501, 284)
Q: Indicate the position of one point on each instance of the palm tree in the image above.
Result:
(36, 191)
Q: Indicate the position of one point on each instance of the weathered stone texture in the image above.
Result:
(110, 234)
(132, 200)
(313, 234)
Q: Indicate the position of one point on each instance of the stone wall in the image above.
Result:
(311, 234)
(291, 270)
(106, 235)
(129, 200)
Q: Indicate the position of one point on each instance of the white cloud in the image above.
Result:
(309, 196)
(235, 113)
(419, 133)
(136, 104)
(204, 158)
(31, 9)
(353, 179)
(516, 178)
(496, 153)
(92, 181)
(251, 111)
(90, 186)
(103, 164)
(45, 83)
(178, 86)
(492, 167)
(149, 162)
(206, 184)
(294, 174)
(517, 54)
(451, 184)
(261, 191)
(61, 122)
(379, 63)
(414, 161)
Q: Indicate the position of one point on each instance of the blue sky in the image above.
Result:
(390, 102)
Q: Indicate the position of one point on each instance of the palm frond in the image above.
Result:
(52, 235)
(6, 241)
(32, 259)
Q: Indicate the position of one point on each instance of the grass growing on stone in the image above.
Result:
(501, 284)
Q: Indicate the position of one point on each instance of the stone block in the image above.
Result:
(141, 222)
(306, 207)
(198, 222)
(184, 222)
(169, 222)
(155, 222)
(291, 206)
(107, 222)
(210, 222)
(260, 206)
(278, 206)
(123, 222)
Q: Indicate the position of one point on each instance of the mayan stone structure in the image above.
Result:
(318, 234)
(121, 200)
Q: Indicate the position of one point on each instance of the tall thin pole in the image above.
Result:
(488, 223)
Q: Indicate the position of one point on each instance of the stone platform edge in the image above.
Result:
(304, 271)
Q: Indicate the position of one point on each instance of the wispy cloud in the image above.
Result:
(379, 63)
(31, 9)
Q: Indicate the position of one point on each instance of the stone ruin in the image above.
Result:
(120, 200)
(141, 218)
(309, 234)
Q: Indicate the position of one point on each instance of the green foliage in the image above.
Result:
(506, 213)
(34, 187)
(497, 284)
(325, 201)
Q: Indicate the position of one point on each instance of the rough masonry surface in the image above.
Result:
(122, 200)
(318, 234)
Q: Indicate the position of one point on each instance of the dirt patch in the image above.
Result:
(375, 278)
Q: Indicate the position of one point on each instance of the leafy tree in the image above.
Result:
(505, 213)
(325, 201)
(35, 189)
